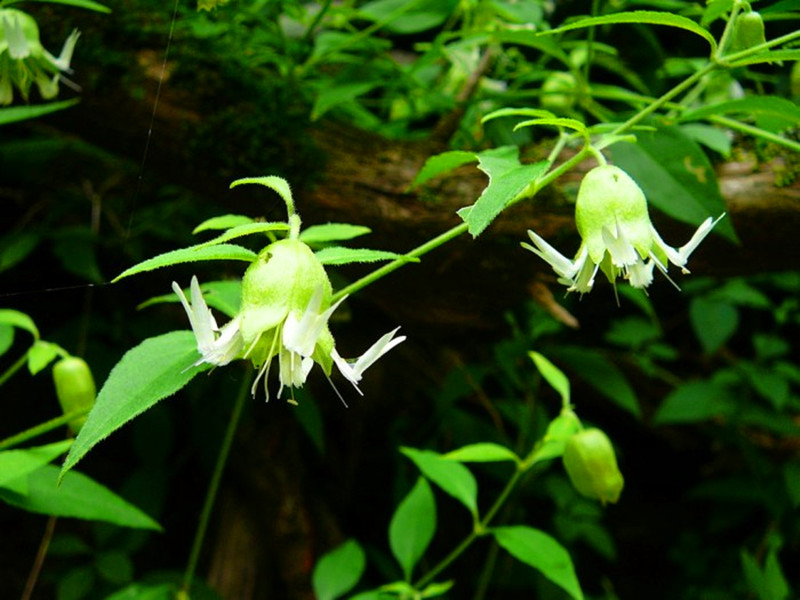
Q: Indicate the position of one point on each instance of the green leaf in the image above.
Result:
(18, 463)
(339, 255)
(331, 96)
(769, 56)
(482, 452)
(19, 320)
(442, 163)
(338, 571)
(76, 495)
(273, 182)
(536, 113)
(560, 429)
(190, 254)
(115, 567)
(332, 232)
(791, 479)
(600, 373)
(404, 16)
(645, 17)
(222, 222)
(433, 590)
(711, 137)
(752, 105)
(244, 230)
(22, 113)
(42, 354)
(692, 402)
(87, 4)
(6, 338)
(225, 296)
(713, 322)
(553, 375)
(76, 584)
(15, 247)
(453, 477)
(675, 175)
(141, 591)
(553, 122)
(412, 526)
(507, 179)
(542, 552)
(153, 370)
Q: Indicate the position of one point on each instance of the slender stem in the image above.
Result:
(316, 21)
(678, 89)
(13, 368)
(478, 531)
(213, 486)
(42, 428)
(399, 262)
(755, 131)
(41, 554)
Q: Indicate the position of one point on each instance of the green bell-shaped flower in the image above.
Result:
(285, 308)
(592, 466)
(618, 236)
(24, 61)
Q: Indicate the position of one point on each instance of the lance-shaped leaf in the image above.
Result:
(18, 463)
(75, 495)
(339, 255)
(191, 254)
(442, 163)
(412, 526)
(540, 551)
(14, 114)
(243, 230)
(332, 232)
(453, 477)
(482, 452)
(153, 370)
(644, 17)
(222, 222)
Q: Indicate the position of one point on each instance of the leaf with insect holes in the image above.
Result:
(190, 254)
(507, 179)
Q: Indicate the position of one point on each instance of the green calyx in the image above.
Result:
(749, 32)
(592, 466)
(283, 278)
(610, 199)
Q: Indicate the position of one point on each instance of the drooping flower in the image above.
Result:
(285, 309)
(23, 59)
(617, 235)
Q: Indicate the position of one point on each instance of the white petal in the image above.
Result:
(228, 346)
(378, 349)
(621, 251)
(585, 274)
(563, 266)
(641, 273)
(202, 329)
(301, 335)
(699, 235)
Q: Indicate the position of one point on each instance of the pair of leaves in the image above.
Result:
(28, 482)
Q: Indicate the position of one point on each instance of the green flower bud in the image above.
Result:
(74, 387)
(559, 92)
(592, 466)
(748, 32)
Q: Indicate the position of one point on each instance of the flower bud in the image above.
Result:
(559, 92)
(748, 32)
(592, 466)
(75, 388)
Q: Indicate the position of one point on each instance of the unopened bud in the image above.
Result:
(75, 388)
(749, 32)
(592, 466)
